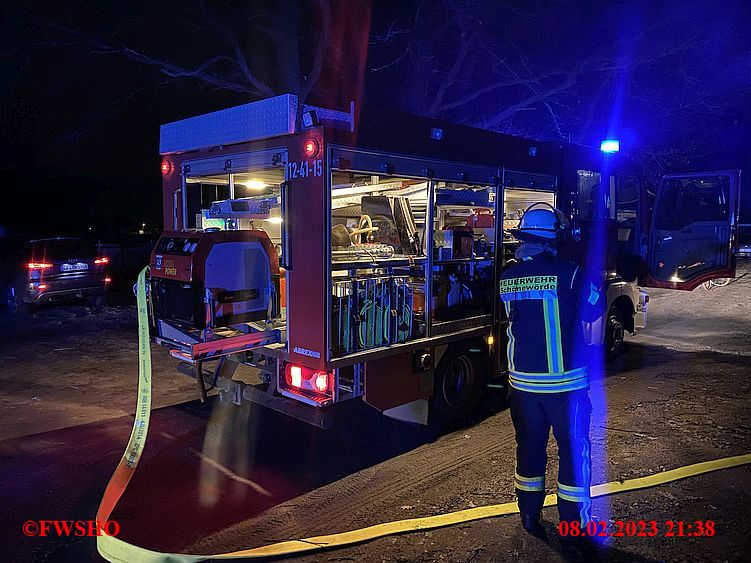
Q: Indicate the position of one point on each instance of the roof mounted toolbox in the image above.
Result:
(262, 119)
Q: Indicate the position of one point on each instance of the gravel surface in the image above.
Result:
(667, 402)
(662, 409)
(73, 365)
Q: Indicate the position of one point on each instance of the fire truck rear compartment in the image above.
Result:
(204, 282)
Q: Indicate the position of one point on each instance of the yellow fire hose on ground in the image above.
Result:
(114, 549)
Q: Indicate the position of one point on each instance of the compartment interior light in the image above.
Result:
(255, 184)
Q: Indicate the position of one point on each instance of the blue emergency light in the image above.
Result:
(610, 145)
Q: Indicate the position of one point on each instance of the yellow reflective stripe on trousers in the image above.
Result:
(530, 480)
(529, 488)
(570, 498)
(573, 490)
(531, 484)
(578, 495)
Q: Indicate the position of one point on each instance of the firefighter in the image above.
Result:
(546, 301)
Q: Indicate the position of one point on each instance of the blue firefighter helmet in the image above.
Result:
(541, 222)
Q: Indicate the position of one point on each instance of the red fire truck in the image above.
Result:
(358, 255)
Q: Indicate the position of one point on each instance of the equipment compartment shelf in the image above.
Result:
(370, 264)
(462, 260)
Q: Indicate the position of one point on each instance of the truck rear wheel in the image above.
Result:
(615, 332)
(459, 383)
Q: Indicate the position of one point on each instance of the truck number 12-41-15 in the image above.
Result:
(305, 168)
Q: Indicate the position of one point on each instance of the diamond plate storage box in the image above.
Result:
(249, 122)
(264, 119)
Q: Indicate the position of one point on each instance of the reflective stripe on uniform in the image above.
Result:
(553, 335)
(544, 289)
(510, 346)
(549, 382)
(573, 385)
(574, 494)
(529, 294)
(529, 377)
(531, 484)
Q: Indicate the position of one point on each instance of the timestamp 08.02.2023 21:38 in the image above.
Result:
(638, 528)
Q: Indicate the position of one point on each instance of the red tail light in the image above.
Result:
(42, 286)
(310, 148)
(295, 376)
(102, 260)
(322, 381)
(39, 265)
(166, 166)
(308, 379)
(107, 280)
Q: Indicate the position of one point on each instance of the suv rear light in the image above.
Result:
(39, 265)
(102, 260)
(308, 380)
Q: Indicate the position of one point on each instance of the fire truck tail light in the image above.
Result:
(166, 166)
(307, 379)
(102, 260)
(322, 381)
(42, 286)
(296, 376)
(310, 148)
(39, 265)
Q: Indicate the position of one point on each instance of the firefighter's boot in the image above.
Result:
(532, 526)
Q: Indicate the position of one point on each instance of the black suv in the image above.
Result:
(47, 270)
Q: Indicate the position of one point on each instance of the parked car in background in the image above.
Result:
(51, 270)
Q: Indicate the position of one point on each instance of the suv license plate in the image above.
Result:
(74, 267)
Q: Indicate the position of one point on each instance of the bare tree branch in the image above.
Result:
(240, 58)
(165, 67)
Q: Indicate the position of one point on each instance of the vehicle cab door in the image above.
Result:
(692, 236)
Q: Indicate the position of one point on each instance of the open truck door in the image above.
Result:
(692, 237)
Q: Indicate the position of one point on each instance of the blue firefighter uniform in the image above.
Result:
(546, 300)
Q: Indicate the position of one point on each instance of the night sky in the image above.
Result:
(81, 114)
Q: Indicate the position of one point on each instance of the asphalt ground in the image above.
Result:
(215, 478)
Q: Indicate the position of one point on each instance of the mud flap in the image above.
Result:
(415, 412)
(391, 382)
